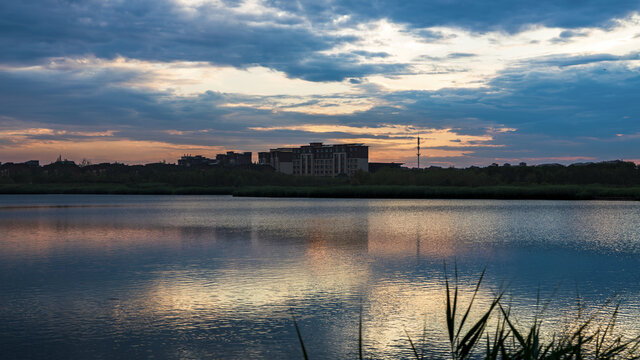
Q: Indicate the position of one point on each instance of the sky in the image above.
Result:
(536, 81)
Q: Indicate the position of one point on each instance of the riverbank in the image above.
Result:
(548, 192)
(114, 189)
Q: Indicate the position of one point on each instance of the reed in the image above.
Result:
(585, 338)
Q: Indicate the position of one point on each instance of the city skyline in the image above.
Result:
(146, 81)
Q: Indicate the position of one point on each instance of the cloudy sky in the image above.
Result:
(539, 81)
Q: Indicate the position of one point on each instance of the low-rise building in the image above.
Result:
(317, 159)
(234, 159)
(280, 159)
(196, 160)
(229, 159)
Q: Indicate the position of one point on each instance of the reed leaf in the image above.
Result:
(304, 350)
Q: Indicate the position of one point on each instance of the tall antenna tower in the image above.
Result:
(418, 151)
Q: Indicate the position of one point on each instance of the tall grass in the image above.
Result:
(497, 335)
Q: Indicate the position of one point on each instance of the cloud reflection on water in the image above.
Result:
(195, 276)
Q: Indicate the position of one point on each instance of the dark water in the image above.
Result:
(217, 277)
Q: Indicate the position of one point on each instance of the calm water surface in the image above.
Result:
(192, 277)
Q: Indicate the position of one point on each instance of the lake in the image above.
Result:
(193, 277)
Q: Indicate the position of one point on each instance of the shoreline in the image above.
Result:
(111, 189)
(524, 192)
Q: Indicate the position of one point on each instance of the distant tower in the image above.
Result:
(418, 151)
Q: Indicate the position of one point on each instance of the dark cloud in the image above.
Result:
(98, 100)
(475, 15)
(567, 35)
(559, 112)
(573, 111)
(369, 54)
(459, 55)
(34, 31)
(422, 58)
(432, 36)
(563, 61)
(338, 67)
(292, 41)
(583, 101)
(570, 103)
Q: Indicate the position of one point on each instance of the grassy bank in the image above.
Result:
(134, 189)
(559, 192)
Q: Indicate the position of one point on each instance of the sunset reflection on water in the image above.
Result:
(215, 276)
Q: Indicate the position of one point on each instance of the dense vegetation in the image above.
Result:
(618, 173)
(144, 179)
(614, 179)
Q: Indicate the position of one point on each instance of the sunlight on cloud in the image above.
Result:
(27, 144)
(260, 87)
(394, 142)
(324, 105)
(460, 58)
(52, 132)
(188, 78)
(453, 58)
(26, 132)
(195, 4)
(256, 8)
(430, 137)
(448, 58)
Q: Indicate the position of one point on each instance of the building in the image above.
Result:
(280, 159)
(317, 159)
(229, 159)
(59, 161)
(197, 160)
(234, 159)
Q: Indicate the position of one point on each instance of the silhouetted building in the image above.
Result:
(229, 159)
(60, 161)
(197, 160)
(317, 159)
(280, 159)
(234, 159)
(12, 169)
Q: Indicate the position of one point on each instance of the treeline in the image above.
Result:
(617, 173)
(158, 173)
(612, 173)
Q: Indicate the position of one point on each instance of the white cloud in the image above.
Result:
(187, 78)
(457, 58)
(461, 58)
